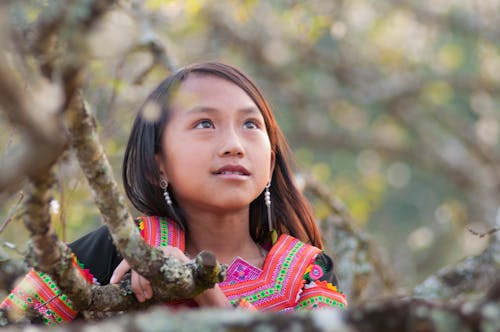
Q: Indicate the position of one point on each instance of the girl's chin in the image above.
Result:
(231, 205)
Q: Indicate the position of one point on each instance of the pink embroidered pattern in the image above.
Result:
(240, 270)
(316, 272)
(277, 286)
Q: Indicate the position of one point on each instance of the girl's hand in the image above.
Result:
(140, 285)
(213, 297)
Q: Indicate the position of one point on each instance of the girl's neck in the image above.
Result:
(227, 236)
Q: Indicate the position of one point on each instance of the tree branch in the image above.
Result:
(465, 280)
(358, 261)
(14, 212)
(48, 254)
(487, 156)
(45, 140)
(10, 270)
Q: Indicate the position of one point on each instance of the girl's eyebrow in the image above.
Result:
(207, 109)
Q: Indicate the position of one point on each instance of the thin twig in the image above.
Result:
(12, 246)
(335, 205)
(108, 120)
(480, 235)
(13, 211)
(10, 141)
(62, 203)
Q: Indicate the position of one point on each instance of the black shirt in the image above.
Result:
(97, 253)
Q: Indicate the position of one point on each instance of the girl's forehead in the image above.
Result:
(209, 91)
(199, 83)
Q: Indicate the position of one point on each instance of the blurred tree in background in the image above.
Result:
(393, 106)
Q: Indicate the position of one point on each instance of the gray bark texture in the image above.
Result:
(358, 261)
(388, 315)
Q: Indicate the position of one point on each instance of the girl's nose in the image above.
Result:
(231, 144)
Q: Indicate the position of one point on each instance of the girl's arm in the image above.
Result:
(37, 291)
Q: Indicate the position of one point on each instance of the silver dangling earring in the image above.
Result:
(168, 200)
(164, 186)
(267, 201)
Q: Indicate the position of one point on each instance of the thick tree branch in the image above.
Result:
(111, 203)
(465, 280)
(48, 254)
(45, 139)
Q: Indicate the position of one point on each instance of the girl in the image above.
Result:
(208, 165)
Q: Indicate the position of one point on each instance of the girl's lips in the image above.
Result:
(232, 176)
(230, 173)
(232, 170)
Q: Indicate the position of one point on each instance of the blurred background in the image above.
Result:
(393, 106)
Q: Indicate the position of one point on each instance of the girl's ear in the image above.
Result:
(273, 163)
(161, 166)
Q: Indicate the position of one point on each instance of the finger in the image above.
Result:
(146, 287)
(136, 287)
(175, 252)
(119, 272)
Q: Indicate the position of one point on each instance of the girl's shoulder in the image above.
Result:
(320, 284)
(289, 245)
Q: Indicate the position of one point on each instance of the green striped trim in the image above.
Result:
(314, 301)
(279, 279)
(163, 232)
(52, 285)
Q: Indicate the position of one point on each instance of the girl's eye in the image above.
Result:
(251, 124)
(204, 124)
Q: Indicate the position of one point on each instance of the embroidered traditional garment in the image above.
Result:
(294, 276)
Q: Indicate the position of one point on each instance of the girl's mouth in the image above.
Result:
(228, 172)
(232, 170)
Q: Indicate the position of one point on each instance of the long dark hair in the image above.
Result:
(291, 212)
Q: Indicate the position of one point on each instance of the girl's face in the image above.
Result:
(216, 153)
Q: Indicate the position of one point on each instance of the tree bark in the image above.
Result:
(393, 315)
(358, 262)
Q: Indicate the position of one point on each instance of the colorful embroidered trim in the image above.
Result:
(318, 296)
(37, 290)
(160, 232)
(83, 271)
(282, 278)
